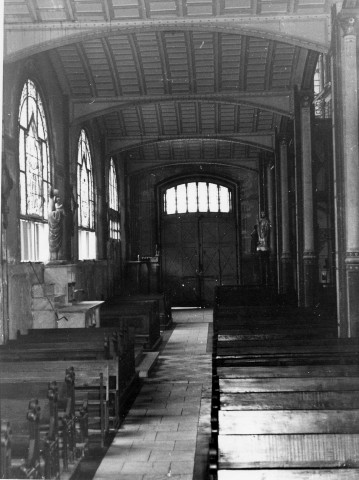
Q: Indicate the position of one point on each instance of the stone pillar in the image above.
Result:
(285, 259)
(272, 219)
(309, 257)
(351, 170)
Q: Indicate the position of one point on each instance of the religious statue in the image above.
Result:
(263, 233)
(56, 214)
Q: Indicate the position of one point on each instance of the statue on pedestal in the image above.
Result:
(263, 233)
(264, 227)
(56, 213)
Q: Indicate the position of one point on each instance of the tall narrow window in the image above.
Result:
(113, 204)
(322, 88)
(197, 197)
(34, 165)
(86, 200)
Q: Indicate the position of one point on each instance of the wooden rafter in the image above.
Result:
(167, 85)
(87, 70)
(33, 10)
(112, 66)
(243, 64)
(269, 65)
(141, 122)
(217, 61)
(132, 40)
(159, 119)
(70, 10)
(191, 61)
(108, 11)
(177, 107)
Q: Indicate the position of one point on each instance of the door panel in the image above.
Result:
(199, 251)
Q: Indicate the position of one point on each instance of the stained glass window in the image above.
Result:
(85, 199)
(197, 197)
(34, 166)
(113, 203)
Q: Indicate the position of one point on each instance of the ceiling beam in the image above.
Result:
(279, 102)
(263, 140)
(308, 31)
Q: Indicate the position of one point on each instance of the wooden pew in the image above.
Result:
(298, 387)
(54, 350)
(121, 361)
(331, 351)
(285, 401)
(237, 295)
(288, 411)
(142, 315)
(164, 305)
(112, 339)
(5, 452)
(63, 422)
(35, 443)
(107, 383)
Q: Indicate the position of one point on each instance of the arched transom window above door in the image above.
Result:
(193, 197)
(34, 164)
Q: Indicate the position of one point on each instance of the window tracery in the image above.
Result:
(196, 197)
(113, 202)
(85, 199)
(34, 163)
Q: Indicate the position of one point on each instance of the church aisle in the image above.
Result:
(166, 432)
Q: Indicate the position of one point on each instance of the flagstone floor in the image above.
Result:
(166, 432)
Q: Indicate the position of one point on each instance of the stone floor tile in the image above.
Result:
(174, 455)
(146, 467)
(176, 436)
(178, 467)
(158, 445)
(185, 445)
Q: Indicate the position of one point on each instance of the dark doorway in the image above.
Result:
(199, 251)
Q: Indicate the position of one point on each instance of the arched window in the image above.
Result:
(35, 179)
(113, 204)
(85, 200)
(196, 197)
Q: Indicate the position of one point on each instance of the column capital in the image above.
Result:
(306, 100)
(348, 25)
(283, 139)
(309, 258)
(352, 259)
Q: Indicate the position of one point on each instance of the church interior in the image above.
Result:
(179, 240)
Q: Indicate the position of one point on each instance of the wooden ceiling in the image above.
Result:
(94, 10)
(183, 92)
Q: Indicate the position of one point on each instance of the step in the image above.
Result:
(147, 364)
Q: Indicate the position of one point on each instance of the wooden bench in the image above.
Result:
(142, 315)
(164, 305)
(5, 449)
(246, 295)
(35, 449)
(287, 418)
(121, 359)
(113, 340)
(91, 382)
(299, 387)
(285, 401)
(38, 348)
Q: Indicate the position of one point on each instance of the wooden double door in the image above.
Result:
(199, 251)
